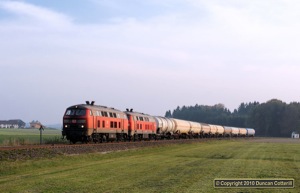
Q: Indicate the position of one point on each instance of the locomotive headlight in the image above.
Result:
(82, 126)
(66, 126)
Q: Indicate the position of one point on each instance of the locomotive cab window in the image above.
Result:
(77, 112)
(70, 112)
(80, 112)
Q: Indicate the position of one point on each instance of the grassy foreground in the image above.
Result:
(13, 137)
(172, 168)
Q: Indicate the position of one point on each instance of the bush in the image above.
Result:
(54, 140)
(15, 141)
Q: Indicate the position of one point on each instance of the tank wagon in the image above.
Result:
(227, 131)
(220, 131)
(242, 132)
(213, 130)
(250, 132)
(205, 130)
(196, 129)
(165, 127)
(235, 132)
(182, 128)
(94, 123)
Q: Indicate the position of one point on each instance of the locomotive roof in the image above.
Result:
(136, 113)
(94, 107)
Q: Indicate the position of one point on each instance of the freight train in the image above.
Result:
(94, 123)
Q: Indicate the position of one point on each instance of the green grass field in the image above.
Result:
(27, 136)
(171, 168)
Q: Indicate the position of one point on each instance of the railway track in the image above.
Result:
(108, 144)
(40, 151)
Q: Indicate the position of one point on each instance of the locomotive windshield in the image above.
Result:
(77, 112)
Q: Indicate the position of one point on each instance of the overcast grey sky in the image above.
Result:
(149, 55)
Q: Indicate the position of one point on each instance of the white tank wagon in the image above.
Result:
(165, 127)
(235, 131)
(220, 130)
(205, 129)
(227, 131)
(162, 125)
(195, 128)
(171, 125)
(242, 132)
(182, 127)
(159, 124)
(213, 130)
(250, 132)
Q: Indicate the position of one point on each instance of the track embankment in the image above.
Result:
(53, 150)
(48, 151)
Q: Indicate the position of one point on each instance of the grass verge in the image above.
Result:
(171, 168)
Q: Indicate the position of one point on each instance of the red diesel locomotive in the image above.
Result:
(89, 122)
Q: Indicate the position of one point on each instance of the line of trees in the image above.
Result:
(272, 118)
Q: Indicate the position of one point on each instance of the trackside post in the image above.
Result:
(41, 133)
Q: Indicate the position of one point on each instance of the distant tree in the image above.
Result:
(168, 114)
(291, 119)
(267, 118)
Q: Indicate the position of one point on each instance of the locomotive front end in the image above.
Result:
(75, 124)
